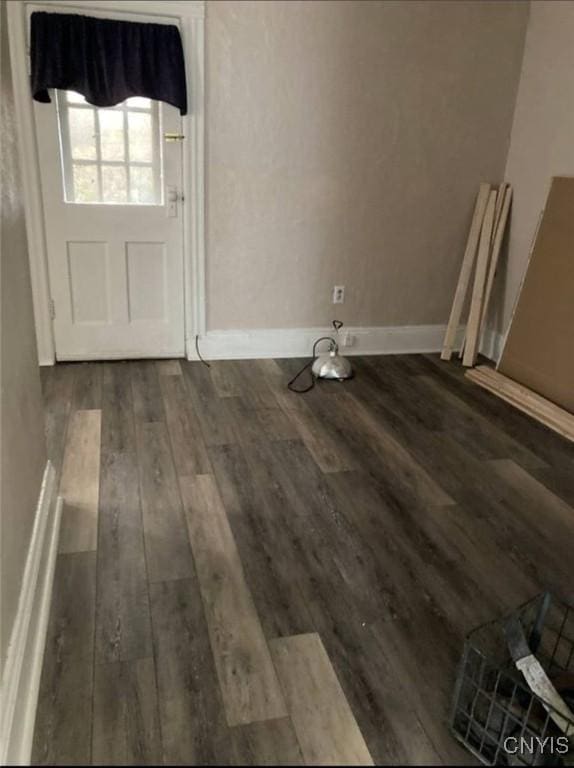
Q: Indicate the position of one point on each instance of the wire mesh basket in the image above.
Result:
(495, 714)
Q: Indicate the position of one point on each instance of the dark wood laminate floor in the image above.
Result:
(389, 515)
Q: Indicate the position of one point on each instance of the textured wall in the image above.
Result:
(23, 451)
(542, 142)
(346, 142)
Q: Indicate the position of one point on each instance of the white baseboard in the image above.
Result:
(21, 677)
(298, 342)
(492, 342)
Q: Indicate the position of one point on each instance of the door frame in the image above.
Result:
(190, 17)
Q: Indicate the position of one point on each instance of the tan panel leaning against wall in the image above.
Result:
(539, 349)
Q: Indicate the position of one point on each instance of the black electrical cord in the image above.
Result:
(294, 379)
(304, 368)
(199, 353)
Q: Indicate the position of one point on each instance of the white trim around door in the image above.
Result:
(190, 16)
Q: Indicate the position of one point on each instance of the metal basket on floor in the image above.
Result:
(495, 714)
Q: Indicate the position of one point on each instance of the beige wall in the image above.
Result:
(346, 142)
(23, 451)
(542, 143)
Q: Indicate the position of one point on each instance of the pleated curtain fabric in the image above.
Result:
(105, 60)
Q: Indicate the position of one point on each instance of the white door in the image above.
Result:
(111, 187)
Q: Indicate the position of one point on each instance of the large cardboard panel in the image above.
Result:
(539, 350)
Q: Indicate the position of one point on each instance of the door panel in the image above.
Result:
(88, 281)
(147, 281)
(114, 234)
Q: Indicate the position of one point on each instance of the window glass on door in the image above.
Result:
(110, 155)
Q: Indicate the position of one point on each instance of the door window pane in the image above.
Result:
(138, 102)
(141, 146)
(86, 184)
(111, 134)
(114, 184)
(75, 98)
(141, 184)
(82, 134)
(110, 155)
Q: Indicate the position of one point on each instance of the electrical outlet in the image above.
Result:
(338, 294)
(348, 339)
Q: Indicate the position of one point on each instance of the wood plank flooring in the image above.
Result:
(247, 678)
(324, 724)
(252, 577)
(80, 482)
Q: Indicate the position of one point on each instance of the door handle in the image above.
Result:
(173, 136)
(174, 195)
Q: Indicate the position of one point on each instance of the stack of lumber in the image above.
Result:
(481, 254)
(524, 399)
(536, 369)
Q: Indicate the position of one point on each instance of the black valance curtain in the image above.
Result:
(105, 60)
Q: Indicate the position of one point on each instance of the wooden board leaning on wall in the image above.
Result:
(481, 254)
(539, 348)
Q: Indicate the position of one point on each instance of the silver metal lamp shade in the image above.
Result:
(332, 365)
